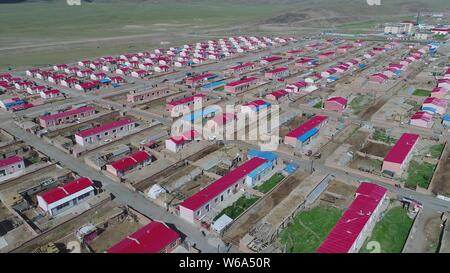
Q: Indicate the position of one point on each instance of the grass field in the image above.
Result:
(359, 103)
(381, 136)
(318, 105)
(147, 24)
(308, 229)
(419, 174)
(238, 207)
(436, 150)
(391, 232)
(269, 184)
(58, 20)
(422, 93)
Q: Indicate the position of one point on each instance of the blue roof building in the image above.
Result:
(429, 109)
(208, 111)
(290, 168)
(213, 85)
(309, 134)
(332, 79)
(446, 120)
(256, 175)
(269, 156)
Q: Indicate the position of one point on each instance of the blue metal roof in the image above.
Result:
(269, 156)
(303, 138)
(260, 169)
(213, 85)
(332, 78)
(446, 117)
(200, 114)
(361, 65)
(429, 109)
(291, 168)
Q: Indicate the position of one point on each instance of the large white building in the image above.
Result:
(398, 28)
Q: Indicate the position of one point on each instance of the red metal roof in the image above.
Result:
(436, 101)
(123, 164)
(401, 149)
(380, 76)
(140, 156)
(68, 113)
(306, 126)
(244, 81)
(106, 127)
(423, 116)
(130, 161)
(279, 93)
(200, 198)
(53, 91)
(339, 100)
(70, 188)
(272, 59)
(200, 77)
(10, 160)
(151, 238)
(186, 100)
(346, 231)
(371, 190)
(281, 69)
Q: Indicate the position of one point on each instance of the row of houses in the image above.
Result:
(395, 69)
(435, 104)
(66, 117)
(251, 172)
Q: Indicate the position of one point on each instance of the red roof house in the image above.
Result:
(352, 229)
(154, 237)
(61, 198)
(196, 206)
(399, 155)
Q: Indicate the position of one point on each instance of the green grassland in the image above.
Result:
(391, 232)
(308, 229)
(381, 136)
(146, 25)
(269, 184)
(238, 207)
(419, 174)
(359, 103)
(436, 150)
(422, 93)
(92, 20)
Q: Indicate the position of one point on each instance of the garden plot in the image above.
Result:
(391, 231)
(247, 221)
